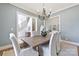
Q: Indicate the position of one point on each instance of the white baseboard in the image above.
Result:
(3, 48)
(70, 42)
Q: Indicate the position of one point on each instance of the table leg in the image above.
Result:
(39, 50)
(78, 50)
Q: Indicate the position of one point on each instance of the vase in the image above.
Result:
(43, 34)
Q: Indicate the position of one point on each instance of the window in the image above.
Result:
(20, 18)
(25, 23)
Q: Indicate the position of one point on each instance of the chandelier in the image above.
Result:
(44, 15)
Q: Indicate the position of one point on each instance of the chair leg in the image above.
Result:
(57, 54)
(39, 50)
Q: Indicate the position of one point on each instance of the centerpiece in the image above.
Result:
(44, 17)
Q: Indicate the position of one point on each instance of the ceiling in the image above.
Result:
(37, 7)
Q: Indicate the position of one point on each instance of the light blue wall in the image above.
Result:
(8, 20)
(69, 23)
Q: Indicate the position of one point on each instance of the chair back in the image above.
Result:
(53, 44)
(15, 44)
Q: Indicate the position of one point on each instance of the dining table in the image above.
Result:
(37, 40)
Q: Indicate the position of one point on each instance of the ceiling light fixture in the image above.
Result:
(44, 15)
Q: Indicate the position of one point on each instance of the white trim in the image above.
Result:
(34, 12)
(36, 24)
(65, 8)
(33, 17)
(69, 42)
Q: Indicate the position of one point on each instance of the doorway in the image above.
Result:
(53, 23)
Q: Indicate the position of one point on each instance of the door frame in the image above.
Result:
(59, 21)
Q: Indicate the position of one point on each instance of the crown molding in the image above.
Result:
(62, 9)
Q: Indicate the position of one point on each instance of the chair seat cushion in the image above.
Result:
(28, 52)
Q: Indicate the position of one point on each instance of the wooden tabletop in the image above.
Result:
(36, 40)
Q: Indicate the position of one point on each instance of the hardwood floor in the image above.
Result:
(67, 50)
(1, 53)
(8, 53)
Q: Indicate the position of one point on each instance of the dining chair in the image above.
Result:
(54, 45)
(52, 48)
(21, 52)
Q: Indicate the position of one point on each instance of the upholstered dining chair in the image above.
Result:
(54, 45)
(24, 52)
(52, 48)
